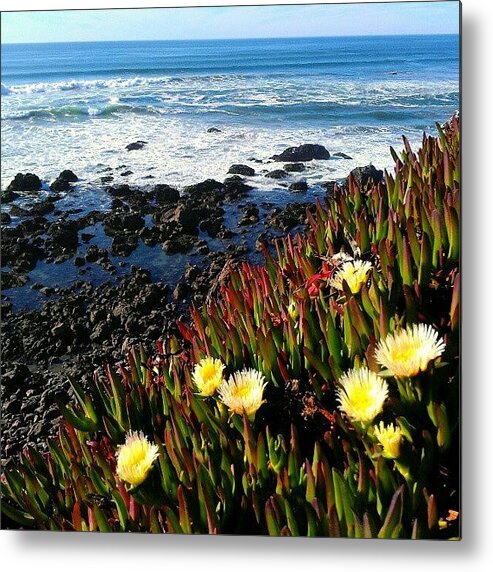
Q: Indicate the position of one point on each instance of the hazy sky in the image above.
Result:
(231, 22)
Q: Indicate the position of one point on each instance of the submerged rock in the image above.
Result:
(299, 186)
(136, 145)
(277, 174)
(213, 130)
(306, 152)
(341, 155)
(294, 167)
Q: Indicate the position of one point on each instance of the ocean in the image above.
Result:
(77, 105)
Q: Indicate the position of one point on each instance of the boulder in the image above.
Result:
(299, 186)
(5, 218)
(294, 167)
(165, 194)
(25, 182)
(8, 196)
(136, 145)
(187, 217)
(244, 170)
(68, 175)
(365, 175)
(306, 152)
(277, 174)
(213, 130)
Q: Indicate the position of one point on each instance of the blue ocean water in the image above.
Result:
(76, 105)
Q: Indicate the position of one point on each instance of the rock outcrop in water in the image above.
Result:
(24, 182)
(306, 152)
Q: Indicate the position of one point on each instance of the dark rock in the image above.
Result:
(42, 208)
(365, 175)
(306, 152)
(181, 291)
(294, 167)
(120, 191)
(299, 186)
(18, 211)
(13, 280)
(188, 218)
(8, 196)
(118, 222)
(62, 331)
(107, 179)
(207, 186)
(86, 236)
(25, 183)
(126, 173)
(178, 244)
(124, 245)
(64, 235)
(96, 254)
(235, 188)
(277, 174)
(341, 155)
(79, 261)
(68, 175)
(117, 204)
(5, 218)
(165, 194)
(244, 170)
(213, 130)
(136, 145)
(16, 373)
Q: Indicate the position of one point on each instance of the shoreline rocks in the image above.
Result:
(306, 152)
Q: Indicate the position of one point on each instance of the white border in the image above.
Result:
(143, 553)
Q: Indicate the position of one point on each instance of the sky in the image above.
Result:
(231, 22)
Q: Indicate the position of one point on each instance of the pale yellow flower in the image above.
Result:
(135, 458)
(362, 395)
(390, 438)
(293, 310)
(208, 375)
(409, 351)
(243, 392)
(354, 272)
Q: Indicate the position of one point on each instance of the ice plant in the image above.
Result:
(362, 395)
(243, 392)
(135, 458)
(354, 272)
(208, 375)
(408, 352)
(390, 438)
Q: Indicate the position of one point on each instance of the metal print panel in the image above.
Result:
(230, 270)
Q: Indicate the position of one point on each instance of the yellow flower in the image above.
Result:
(362, 395)
(243, 392)
(293, 310)
(354, 272)
(135, 458)
(208, 375)
(409, 351)
(390, 438)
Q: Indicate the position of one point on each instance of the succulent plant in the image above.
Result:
(297, 463)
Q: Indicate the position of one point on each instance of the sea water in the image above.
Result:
(77, 105)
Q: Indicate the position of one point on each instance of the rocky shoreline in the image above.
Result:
(116, 295)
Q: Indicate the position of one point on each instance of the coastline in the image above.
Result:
(80, 289)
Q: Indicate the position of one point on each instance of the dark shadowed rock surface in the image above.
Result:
(136, 145)
(165, 194)
(341, 155)
(306, 152)
(213, 130)
(277, 174)
(25, 182)
(367, 174)
(244, 170)
(299, 186)
(294, 167)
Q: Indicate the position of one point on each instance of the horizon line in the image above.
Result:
(228, 38)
